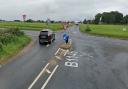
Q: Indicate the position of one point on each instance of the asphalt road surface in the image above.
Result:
(20, 72)
(94, 63)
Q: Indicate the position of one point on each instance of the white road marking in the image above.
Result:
(71, 59)
(36, 79)
(70, 41)
(73, 52)
(48, 71)
(58, 57)
(62, 49)
(66, 52)
(71, 64)
(46, 82)
(86, 54)
(57, 51)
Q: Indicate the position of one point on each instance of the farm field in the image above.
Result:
(116, 31)
(31, 26)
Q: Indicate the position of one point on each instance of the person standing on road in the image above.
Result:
(66, 37)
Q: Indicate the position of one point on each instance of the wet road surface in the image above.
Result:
(94, 63)
(99, 63)
(20, 72)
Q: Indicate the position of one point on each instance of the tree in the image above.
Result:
(113, 17)
(118, 17)
(30, 20)
(125, 19)
(52, 21)
(16, 20)
(97, 18)
(39, 21)
(85, 21)
(106, 18)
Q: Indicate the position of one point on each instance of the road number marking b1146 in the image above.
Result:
(72, 59)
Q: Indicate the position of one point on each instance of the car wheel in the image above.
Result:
(49, 42)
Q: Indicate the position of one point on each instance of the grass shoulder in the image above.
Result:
(7, 50)
(114, 31)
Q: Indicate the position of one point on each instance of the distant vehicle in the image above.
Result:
(46, 36)
(77, 23)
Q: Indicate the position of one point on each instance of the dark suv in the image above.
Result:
(46, 36)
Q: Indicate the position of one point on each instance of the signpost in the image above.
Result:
(24, 17)
(48, 21)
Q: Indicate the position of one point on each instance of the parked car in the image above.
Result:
(46, 36)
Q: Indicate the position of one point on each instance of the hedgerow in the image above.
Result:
(9, 35)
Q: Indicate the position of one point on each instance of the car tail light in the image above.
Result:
(49, 37)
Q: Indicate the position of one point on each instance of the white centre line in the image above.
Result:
(46, 82)
(58, 57)
(36, 79)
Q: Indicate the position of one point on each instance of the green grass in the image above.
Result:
(14, 47)
(115, 31)
(31, 26)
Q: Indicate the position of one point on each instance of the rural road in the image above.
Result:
(94, 63)
(19, 73)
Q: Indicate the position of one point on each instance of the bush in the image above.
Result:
(7, 38)
(8, 35)
(16, 31)
(87, 29)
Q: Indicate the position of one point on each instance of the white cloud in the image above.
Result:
(59, 9)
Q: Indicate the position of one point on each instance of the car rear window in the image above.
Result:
(44, 33)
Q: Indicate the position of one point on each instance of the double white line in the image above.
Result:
(46, 82)
(37, 78)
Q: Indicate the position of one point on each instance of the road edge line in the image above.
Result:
(0, 66)
(46, 82)
(37, 78)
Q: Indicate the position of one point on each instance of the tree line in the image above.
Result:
(113, 17)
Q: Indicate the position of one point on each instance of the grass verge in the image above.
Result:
(115, 31)
(13, 48)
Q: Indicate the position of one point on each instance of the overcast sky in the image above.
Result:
(59, 9)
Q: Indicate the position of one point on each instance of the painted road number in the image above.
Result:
(72, 59)
(71, 64)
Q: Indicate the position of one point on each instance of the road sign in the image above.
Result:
(24, 17)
